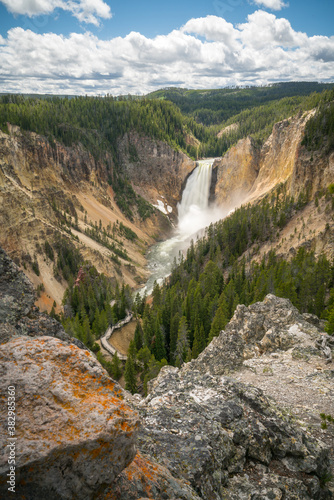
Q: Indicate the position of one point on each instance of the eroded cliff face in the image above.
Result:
(251, 172)
(40, 184)
(313, 171)
(279, 154)
(236, 173)
(199, 434)
(156, 171)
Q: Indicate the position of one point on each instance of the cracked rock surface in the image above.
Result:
(228, 440)
(238, 437)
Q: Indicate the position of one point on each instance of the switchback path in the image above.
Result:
(110, 330)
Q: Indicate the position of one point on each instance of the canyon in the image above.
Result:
(45, 182)
(241, 420)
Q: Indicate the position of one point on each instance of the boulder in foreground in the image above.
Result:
(74, 432)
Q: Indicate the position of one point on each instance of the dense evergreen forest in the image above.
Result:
(211, 107)
(91, 302)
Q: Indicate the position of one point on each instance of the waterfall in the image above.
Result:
(193, 208)
(194, 214)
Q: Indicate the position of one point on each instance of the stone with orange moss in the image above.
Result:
(146, 479)
(74, 431)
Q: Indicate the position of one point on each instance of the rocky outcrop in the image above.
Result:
(18, 314)
(199, 434)
(17, 295)
(264, 327)
(228, 440)
(156, 171)
(74, 434)
(226, 437)
(144, 478)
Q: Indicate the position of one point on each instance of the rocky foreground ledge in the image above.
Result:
(199, 434)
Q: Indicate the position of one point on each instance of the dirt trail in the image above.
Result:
(122, 337)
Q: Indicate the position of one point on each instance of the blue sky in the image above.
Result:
(99, 46)
(152, 18)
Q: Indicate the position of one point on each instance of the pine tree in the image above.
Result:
(96, 324)
(199, 340)
(159, 345)
(147, 326)
(88, 338)
(116, 367)
(182, 345)
(130, 376)
(156, 294)
(138, 337)
(219, 321)
(110, 314)
(103, 322)
(174, 328)
(144, 356)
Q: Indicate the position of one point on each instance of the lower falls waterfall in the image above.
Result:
(194, 214)
(195, 198)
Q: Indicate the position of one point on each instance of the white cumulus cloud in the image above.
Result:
(212, 28)
(263, 29)
(204, 53)
(271, 4)
(87, 11)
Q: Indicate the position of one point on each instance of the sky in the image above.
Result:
(96, 47)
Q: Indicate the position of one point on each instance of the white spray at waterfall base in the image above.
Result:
(195, 214)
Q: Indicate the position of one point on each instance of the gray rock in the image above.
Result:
(271, 325)
(18, 315)
(17, 295)
(209, 429)
(144, 478)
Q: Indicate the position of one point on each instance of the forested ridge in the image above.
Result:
(216, 106)
(169, 115)
(97, 123)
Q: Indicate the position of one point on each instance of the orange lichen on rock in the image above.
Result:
(144, 478)
(69, 409)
